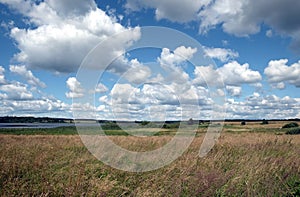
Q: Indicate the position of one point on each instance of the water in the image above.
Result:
(35, 125)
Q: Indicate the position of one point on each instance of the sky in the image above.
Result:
(83, 59)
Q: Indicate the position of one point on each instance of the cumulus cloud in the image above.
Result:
(27, 74)
(171, 63)
(76, 91)
(240, 18)
(269, 33)
(278, 73)
(230, 15)
(257, 106)
(279, 86)
(155, 101)
(179, 55)
(101, 88)
(221, 54)
(64, 33)
(17, 100)
(72, 7)
(137, 72)
(124, 94)
(174, 10)
(235, 91)
(124, 101)
(232, 74)
(38, 106)
(2, 77)
(281, 16)
(16, 91)
(43, 106)
(207, 76)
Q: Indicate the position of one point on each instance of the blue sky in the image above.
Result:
(252, 50)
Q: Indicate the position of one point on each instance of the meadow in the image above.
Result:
(247, 160)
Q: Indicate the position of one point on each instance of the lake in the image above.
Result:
(35, 125)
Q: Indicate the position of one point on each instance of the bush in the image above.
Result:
(265, 122)
(171, 125)
(243, 123)
(290, 125)
(145, 123)
(191, 121)
(293, 132)
(111, 126)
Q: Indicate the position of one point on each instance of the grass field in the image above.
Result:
(249, 160)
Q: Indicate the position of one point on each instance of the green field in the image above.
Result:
(249, 160)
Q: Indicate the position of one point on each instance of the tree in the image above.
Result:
(265, 122)
(191, 121)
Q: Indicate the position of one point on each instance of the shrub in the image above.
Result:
(171, 125)
(293, 132)
(191, 121)
(290, 125)
(144, 123)
(265, 122)
(111, 126)
(243, 123)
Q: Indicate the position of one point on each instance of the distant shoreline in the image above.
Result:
(47, 120)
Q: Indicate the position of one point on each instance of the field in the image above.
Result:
(249, 160)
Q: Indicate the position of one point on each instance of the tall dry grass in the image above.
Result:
(247, 164)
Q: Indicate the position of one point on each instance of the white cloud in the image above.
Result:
(268, 107)
(232, 74)
(101, 88)
(76, 91)
(124, 94)
(233, 15)
(269, 33)
(279, 86)
(17, 100)
(278, 72)
(154, 101)
(207, 76)
(104, 100)
(16, 91)
(280, 16)
(65, 32)
(174, 10)
(229, 14)
(157, 79)
(38, 106)
(27, 74)
(258, 86)
(3, 96)
(137, 73)
(221, 54)
(235, 91)
(179, 55)
(72, 7)
(172, 66)
(160, 94)
(2, 77)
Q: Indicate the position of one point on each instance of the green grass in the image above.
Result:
(86, 130)
(39, 131)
